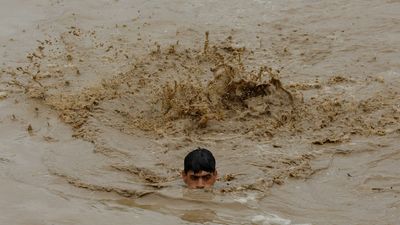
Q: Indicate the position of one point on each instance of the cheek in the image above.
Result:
(212, 180)
(190, 183)
(186, 180)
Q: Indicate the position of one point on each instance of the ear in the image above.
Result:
(184, 176)
(215, 176)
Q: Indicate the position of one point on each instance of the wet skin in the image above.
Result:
(202, 179)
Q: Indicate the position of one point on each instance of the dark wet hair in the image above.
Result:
(199, 159)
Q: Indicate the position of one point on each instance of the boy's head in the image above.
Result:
(199, 169)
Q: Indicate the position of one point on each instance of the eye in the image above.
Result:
(194, 177)
(207, 177)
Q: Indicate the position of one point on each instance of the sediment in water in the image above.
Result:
(175, 98)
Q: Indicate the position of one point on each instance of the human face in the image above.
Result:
(202, 179)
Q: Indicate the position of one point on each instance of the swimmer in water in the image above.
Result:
(199, 169)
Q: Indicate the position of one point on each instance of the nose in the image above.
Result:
(200, 183)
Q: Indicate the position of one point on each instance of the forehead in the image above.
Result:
(201, 173)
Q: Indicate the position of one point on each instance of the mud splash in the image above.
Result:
(178, 96)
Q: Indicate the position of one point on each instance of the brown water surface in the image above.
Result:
(101, 100)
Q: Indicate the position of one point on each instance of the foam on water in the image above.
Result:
(272, 219)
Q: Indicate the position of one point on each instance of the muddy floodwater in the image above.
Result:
(299, 101)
